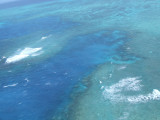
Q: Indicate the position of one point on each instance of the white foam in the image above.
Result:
(3, 57)
(45, 37)
(115, 91)
(122, 68)
(23, 54)
(12, 85)
(36, 54)
(155, 95)
(102, 87)
(132, 84)
(26, 79)
(100, 82)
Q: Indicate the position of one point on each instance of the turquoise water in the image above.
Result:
(79, 60)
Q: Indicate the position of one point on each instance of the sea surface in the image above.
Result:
(79, 60)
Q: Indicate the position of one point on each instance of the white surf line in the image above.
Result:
(155, 95)
(115, 91)
(24, 54)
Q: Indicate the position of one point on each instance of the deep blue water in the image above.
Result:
(12, 29)
(42, 89)
(51, 81)
(26, 27)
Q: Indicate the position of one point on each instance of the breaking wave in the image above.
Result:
(115, 92)
(155, 95)
(24, 54)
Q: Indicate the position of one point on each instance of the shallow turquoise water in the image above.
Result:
(80, 60)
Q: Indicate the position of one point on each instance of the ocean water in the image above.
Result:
(79, 60)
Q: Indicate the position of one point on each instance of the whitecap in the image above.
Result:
(26, 79)
(45, 37)
(23, 54)
(12, 85)
(100, 82)
(122, 68)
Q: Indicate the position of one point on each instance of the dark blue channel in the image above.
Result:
(51, 81)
